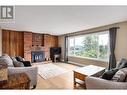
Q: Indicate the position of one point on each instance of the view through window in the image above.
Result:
(94, 45)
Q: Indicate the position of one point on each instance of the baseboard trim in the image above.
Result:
(74, 63)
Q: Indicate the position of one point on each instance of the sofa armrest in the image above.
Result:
(98, 83)
(30, 71)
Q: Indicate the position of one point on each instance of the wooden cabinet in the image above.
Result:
(12, 43)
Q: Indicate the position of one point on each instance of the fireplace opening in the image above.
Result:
(38, 56)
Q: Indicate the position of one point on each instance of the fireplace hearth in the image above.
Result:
(38, 56)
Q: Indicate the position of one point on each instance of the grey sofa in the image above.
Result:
(99, 83)
(30, 71)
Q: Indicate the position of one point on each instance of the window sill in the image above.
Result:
(89, 58)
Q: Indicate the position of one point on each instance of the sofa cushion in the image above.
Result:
(13, 59)
(26, 63)
(19, 58)
(7, 60)
(120, 76)
(122, 64)
(18, 64)
(109, 74)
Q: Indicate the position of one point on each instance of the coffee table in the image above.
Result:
(81, 73)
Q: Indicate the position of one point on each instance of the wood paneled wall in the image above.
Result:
(12, 43)
(49, 41)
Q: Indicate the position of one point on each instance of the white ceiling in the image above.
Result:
(59, 20)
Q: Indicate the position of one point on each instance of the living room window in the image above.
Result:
(94, 46)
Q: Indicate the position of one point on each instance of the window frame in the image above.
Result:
(96, 59)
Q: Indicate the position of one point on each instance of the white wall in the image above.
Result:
(121, 42)
(0, 42)
(121, 45)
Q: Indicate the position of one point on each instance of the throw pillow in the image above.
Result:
(19, 58)
(120, 76)
(109, 74)
(122, 64)
(26, 63)
(18, 64)
(13, 58)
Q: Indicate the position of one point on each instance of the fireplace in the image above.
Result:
(38, 56)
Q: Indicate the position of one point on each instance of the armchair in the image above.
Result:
(31, 71)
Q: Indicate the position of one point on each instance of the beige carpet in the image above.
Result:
(50, 70)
